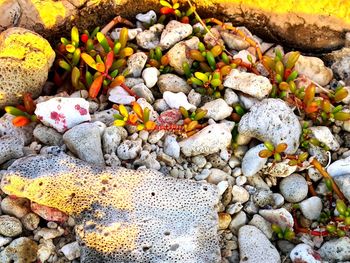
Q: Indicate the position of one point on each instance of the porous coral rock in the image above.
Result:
(25, 59)
(123, 215)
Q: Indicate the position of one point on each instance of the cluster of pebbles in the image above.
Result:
(253, 192)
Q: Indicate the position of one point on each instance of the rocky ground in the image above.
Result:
(268, 209)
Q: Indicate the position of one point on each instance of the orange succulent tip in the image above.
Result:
(20, 121)
(187, 121)
(309, 93)
(137, 109)
(164, 60)
(311, 108)
(281, 147)
(118, 81)
(150, 125)
(265, 153)
(100, 67)
(133, 118)
(29, 103)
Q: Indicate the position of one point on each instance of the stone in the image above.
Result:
(239, 194)
(17, 207)
(142, 91)
(48, 213)
(20, 249)
(30, 221)
(217, 109)
(160, 105)
(47, 233)
(120, 96)
(233, 41)
(148, 18)
(252, 162)
(311, 207)
(238, 221)
(4, 241)
(213, 37)
(247, 101)
(324, 135)
(112, 137)
(10, 226)
(224, 220)
(231, 97)
(174, 32)
(294, 188)
(45, 250)
(149, 39)
(314, 69)
(304, 253)
(216, 176)
(173, 83)
(63, 113)
(336, 250)
(340, 171)
(263, 198)
(10, 147)
(105, 116)
(249, 83)
(194, 97)
(280, 169)
(171, 146)
(152, 208)
(7, 128)
(210, 139)
(136, 63)
(279, 217)
(254, 247)
(169, 117)
(156, 136)
(272, 120)
(243, 56)
(222, 187)
(129, 149)
(46, 135)
(25, 70)
(71, 250)
(84, 140)
(340, 67)
(150, 76)
(147, 160)
(177, 55)
(176, 100)
(132, 33)
(263, 225)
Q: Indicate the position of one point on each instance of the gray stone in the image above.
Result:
(136, 63)
(173, 83)
(336, 250)
(254, 246)
(129, 149)
(11, 147)
(30, 221)
(84, 140)
(149, 39)
(279, 217)
(17, 207)
(142, 91)
(263, 225)
(10, 226)
(112, 137)
(272, 120)
(252, 162)
(171, 146)
(47, 135)
(311, 207)
(71, 250)
(217, 109)
(238, 221)
(324, 135)
(147, 160)
(304, 253)
(294, 188)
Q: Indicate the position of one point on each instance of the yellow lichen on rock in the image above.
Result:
(25, 59)
(50, 11)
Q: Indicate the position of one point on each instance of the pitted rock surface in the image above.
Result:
(123, 215)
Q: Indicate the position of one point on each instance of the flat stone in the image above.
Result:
(252, 162)
(217, 109)
(174, 32)
(336, 250)
(173, 83)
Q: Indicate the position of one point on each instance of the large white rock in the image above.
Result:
(150, 76)
(272, 120)
(252, 162)
(340, 171)
(210, 139)
(304, 253)
(324, 135)
(176, 100)
(336, 250)
(249, 83)
(63, 113)
(217, 109)
(311, 207)
(254, 247)
(173, 33)
(279, 217)
(120, 96)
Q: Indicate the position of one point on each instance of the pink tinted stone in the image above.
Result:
(48, 213)
(63, 113)
(169, 117)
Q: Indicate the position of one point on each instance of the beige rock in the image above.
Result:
(25, 59)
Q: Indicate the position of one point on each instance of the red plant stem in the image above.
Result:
(311, 187)
(114, 22)
(128, 90)
(299, 229)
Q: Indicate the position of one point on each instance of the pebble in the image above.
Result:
(105, 116)
(217, 109)
(147, 160)
(171, 146)
(234, 208)
(71, 250)
(238, 221)
(120, 96)
(173, 83)
(129, 149)
(148, 18)
(336, 250)
(19, 249)
(17, 206)
(324, 135)
(231, 97)
(150, 76)
(247, 101)
(304, 253)
(239, 194)
(224, 220)
(243, 139)
(280, 169)
(234, 41)
(199, 160)
(311, 207)
(233, 162)
(47, 233)
(340, 171)
(142, 91)
(254, 246)
(84, 140)
(4, 241)
(11, 147)
(210, 139)
(194, 98)
(136, 63)
(263, 198)
(176, 100)
(263, 225)
(278, 200)
(314, 69)
(7, 128)
(249, 83)
(240, 180)
(160, 105)
(156, 136)
(294, 188)
(272, 120)
(174, 32)
(243, 55)
(63, 113)
(45, 250)
(177, 55)
(222, 186)
(30, 221)
(149, 39)
(252, 162)
(10, 226)
(112, 137)
(279, 217)
(47, 135)
(216, 176)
